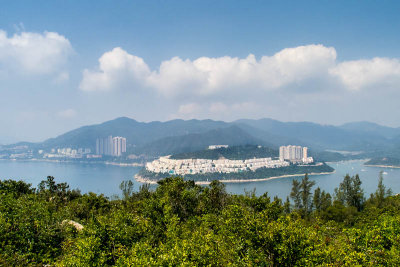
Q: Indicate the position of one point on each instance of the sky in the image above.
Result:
(65, 64)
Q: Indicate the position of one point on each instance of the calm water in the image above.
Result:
(105, 179)
(368, 175)
(97, 178)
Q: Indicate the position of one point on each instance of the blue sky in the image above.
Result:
(329, 62)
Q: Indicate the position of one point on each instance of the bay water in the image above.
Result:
(105, 179)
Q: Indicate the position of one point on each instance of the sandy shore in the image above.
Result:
(124, 164)
(384, 166)
(149, 181)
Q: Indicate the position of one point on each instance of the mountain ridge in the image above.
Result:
(181, 135)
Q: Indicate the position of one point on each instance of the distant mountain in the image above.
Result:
(136, 133)
(232, 135)
(274, 140)
(320, 136)
(371, 128)
(176, 136)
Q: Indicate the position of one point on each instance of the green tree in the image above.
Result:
(317, 199)
(286, 206)
(295, 194)
(381, 193)
(301, 195)
(127, 189)
(17, 188)
(326, 200)
(214, 198)
(321, 200)
(350, 192)
(305, 192)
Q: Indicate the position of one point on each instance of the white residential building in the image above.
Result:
(195, 166)
(217, 146)
(119, 146)
(111, 146)
(295, 154)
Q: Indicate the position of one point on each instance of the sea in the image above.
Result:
(105, 179)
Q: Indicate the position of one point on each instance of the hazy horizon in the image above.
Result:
(64, 65)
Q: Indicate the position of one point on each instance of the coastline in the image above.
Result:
(383, 166)
(120, 164)
(141, 179)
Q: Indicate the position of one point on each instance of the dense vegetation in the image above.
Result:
(260, 173)
(233, 153)
(232, 135)
(180, 223)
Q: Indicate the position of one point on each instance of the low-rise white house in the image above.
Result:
(195, 166)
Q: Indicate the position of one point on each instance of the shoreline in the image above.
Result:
(383, 166)
(120, 164)
(141, 179)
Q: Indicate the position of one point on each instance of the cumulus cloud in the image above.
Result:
(294, 68)
(206, 76)
(116, 68)
(34, 53)
(365, 73)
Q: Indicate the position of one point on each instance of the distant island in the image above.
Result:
(384, 162)
(234, 164)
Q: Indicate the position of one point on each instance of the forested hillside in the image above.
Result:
(232, 135)
(180, 223)
(233, 153)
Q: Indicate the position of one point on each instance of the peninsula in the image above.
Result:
(234, 164)
(385, 162)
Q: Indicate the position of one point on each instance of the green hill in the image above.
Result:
(136, 133)
(194, 142)
(233, 153)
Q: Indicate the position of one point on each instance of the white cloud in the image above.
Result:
(176, 75)
(117, 68)
(295, 68)
(67, 114)
(207, 76)
(364, 73)
(34, 53)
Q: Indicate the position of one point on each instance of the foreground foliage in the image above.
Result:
(180, 223)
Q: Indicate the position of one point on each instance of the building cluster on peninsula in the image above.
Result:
(287, 155)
